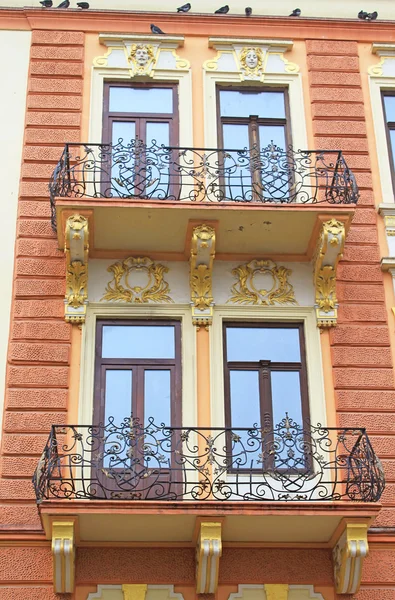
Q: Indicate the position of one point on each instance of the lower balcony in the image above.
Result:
(138, 483)
(265, 201)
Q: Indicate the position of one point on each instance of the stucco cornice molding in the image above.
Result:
(383, 49)
(272, 45)
(114, 39)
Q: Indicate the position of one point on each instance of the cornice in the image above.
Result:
(199, 24)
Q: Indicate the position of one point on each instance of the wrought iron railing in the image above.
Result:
(131, 461)
(135, 170)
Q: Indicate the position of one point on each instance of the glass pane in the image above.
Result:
(123, 130)
(159, 133)
(122, 163)
(157, 396)
(245, 412)
(268, 105)
(138, 341)
(392, 138)
(286, 396)
(118, 398)
(389, 103)
(141, 100)
(236, 167)
(275, 175)
(252, 344)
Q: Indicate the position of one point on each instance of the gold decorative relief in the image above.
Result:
(134, 591)
(63, 556)
(276, 591)
(121, 288)
(142, 57)
(201, 271)
(251, 61)
(329, 251)
(247, 291)
(76, 249)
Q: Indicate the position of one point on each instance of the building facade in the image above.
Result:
(197, 346)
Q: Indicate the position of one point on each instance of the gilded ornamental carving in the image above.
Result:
(246, 290)
(122, 288)
(348, 556)
(76, 247)
(141, 57)
(251, 61)
(201, 272)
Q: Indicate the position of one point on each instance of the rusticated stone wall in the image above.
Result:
(39, 351)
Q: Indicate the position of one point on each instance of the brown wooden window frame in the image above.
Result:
(265, 368)
(389, 126)
(253, 122)
(139, 118)
(138, 366)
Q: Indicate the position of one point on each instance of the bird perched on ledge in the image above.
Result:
(156, 30)
(46, 3)
(83, 5)
(223, 10)
(248, 11)
(296, 12)
(184, 8)
(64, 4)
(365, 16)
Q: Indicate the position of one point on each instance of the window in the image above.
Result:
(138, 372)
(257, 120)
(265, 376)
(388, 98)
(140, 121)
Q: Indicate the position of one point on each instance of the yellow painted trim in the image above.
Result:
(134, 591)
(348, 556)
(63, 556)
(276, 591)
(208, 553)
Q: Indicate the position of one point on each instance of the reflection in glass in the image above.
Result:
(269, 105)
(389, 103)
(237, 177)
(138, 341)
(157, 396)
(118, 404)
(245, 411)
(141, 100)
(259, 343)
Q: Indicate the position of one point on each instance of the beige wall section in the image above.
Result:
(14, 58)
(335, 8)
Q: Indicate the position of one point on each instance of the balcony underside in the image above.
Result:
(163, 227)
(175, 523)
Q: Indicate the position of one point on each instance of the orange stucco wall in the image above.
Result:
(43, 362)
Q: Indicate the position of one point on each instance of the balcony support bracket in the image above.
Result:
(63, 556)
(76, 248)
(208, 553)
(201, 273)
(348, 556)
(329, 251)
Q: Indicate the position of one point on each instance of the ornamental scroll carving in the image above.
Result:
(122, 288)
(247, 290)
(76, 248)
(201, 273)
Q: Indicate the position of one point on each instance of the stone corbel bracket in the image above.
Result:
(329, 252)
(348, 556)
(201, 274)
(76, 247)
(63, 556)
(208, 553)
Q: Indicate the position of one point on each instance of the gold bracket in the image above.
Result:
(276, 591)
(201, 273)
(208, 553)
(134, 591)
(348, 556)
(76, 247)
(329, 252)
(63, 555)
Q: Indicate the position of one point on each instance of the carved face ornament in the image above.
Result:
(251, 60)
(141, 56)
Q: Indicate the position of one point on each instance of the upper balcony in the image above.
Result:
(264, 201)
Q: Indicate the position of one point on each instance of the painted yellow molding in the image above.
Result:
(276, 591)
(63, 556)
(348, 556)
(134, 591)
(201, 273)
(329, 251)
(76, 247)
(208, 553)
